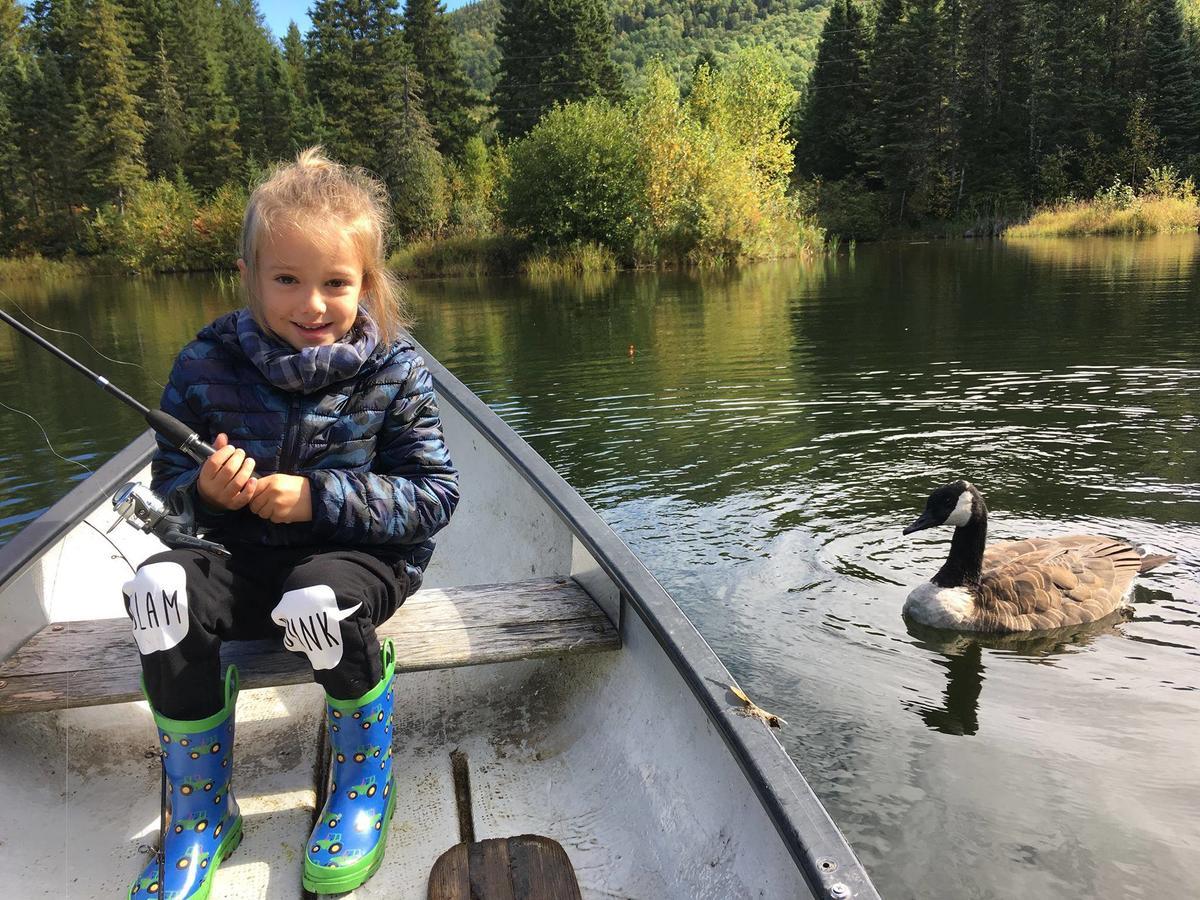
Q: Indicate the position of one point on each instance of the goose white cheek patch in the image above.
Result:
(309, 618)
(156, 600)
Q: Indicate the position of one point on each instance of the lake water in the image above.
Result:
(760, 438)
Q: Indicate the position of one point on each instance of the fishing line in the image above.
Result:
(119, 362)
(73, 462)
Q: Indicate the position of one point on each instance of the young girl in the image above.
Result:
(329, 480)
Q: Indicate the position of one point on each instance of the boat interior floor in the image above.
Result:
(611, 760)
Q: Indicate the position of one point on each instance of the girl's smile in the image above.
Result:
(308, 290)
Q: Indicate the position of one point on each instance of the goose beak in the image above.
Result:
(926, 521)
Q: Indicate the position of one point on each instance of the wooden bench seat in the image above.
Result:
(94, 662)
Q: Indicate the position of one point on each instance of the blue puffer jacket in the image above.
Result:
(370, 445)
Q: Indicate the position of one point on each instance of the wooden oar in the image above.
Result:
(526, 867)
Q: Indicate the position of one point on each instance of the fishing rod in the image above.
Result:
(167, 425)
(174, 524)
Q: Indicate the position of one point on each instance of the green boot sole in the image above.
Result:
(330, 880)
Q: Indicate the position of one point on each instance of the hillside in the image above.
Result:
(677, 32)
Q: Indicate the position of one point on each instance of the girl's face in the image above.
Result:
(309, 291)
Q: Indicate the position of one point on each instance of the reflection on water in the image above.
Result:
(963, 658)
(761, 449)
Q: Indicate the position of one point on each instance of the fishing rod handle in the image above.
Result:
(179, 435)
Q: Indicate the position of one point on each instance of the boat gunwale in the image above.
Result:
(28, 544)
(814, 841)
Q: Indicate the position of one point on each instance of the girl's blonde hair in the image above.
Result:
(317, 195)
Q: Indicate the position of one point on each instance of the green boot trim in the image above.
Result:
(339, 879)
(198, 725)
(387, 655)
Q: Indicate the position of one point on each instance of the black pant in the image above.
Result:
(324, 602)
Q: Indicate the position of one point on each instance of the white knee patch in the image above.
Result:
(309, 618)
(156, 600)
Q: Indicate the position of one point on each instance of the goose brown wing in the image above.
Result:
(1052, 582)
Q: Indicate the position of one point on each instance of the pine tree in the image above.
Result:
(833, 131)
(892, 87)
(362, 74)
(448, 96)
(1170, 85)
(308, 127)
(166, 139)
(357, 63)
(1065, 80)
(11, 78)
(993, 129)
(192, 39)
(414, 170)
(110, 140)
(552, 51)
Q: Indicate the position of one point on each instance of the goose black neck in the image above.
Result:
(965, 561)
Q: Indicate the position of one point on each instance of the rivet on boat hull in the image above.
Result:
(839, 891)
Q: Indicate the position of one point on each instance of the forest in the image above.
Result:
(131, 130)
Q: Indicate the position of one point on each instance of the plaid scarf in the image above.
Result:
(310, 369)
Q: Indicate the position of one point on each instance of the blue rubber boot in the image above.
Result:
(347, 844)
(205, 824)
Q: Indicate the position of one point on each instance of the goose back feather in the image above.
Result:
(1026, 585)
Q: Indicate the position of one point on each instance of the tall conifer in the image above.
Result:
(110, 141)
(834, 121)
(552, 51)
(993, 129)
(1170, 86)
(362, 73)
(166, 139)
(448, 96)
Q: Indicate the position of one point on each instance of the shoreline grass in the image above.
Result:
(37, 267)
(1140, 215)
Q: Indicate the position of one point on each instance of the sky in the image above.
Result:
(279, 12)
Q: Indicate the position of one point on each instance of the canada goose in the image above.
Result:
(1018, 585)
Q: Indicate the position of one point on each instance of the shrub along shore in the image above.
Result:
(190, 235)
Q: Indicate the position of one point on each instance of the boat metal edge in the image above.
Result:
(810, 834)
(40, 534)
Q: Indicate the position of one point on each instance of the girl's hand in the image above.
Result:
(282, 498)
(225, 478)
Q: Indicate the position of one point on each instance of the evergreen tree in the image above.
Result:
(1170, 83)
(448, 96)
(993, 128)
(192, 39)
(11, 78)
(110, 131)
(294, 53)
(357, 66)
(833, 131)
(892, 87)
(552, 51)
(1065, 100)
(166, 139)
(308, 125)
(362, 74)
(414, 170)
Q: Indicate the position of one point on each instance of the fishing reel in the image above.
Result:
(176, 526)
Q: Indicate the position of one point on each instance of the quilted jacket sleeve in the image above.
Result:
(412, 487)
(171, 470)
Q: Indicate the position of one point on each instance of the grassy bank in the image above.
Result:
(38, 267)
(1166, 204)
